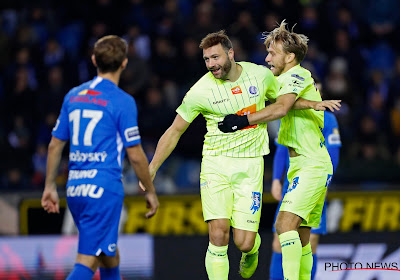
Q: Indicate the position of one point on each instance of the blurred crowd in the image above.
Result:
(45, 49)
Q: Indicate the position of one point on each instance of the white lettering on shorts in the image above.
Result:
(85, 190)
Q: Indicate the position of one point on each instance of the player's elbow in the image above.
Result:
(281, 111)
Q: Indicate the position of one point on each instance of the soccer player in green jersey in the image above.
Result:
(232, 166)
(310, 167)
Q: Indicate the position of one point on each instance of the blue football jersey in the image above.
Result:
(100, 120)
(331, 131)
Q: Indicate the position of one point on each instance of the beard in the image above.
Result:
(225, 69)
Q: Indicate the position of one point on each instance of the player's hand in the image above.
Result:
(232, 123)
(152, 204)
(276, 189)
(330, 104)
(50, 200)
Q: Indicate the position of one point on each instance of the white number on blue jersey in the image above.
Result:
(75, 118)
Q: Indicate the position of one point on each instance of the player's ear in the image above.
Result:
(290, 57)
(94, 60)
(231, 54)
(124, 63)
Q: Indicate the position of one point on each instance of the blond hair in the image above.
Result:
(291, 42)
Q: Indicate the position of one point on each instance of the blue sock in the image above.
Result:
(275, 268)
(110, 273)
(80, 272)
(314, 266)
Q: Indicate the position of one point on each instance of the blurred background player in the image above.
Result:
(279, 172)
(100, 119)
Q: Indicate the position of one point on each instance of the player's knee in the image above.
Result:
(245, 245)
(219, 237)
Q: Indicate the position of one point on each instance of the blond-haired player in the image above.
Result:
(310, 167)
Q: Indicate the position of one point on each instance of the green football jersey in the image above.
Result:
(302, 129)
(215, 98)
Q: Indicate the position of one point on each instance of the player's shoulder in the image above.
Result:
(298, 73)
(207, 81)
(255, 68)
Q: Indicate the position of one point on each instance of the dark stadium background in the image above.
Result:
(44, 51)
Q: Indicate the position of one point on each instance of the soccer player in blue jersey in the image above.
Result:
(280, 167)
(100, 120)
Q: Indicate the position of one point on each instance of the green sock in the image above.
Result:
(217, 263)
(257, 243)
(291, 254)
(306, 263)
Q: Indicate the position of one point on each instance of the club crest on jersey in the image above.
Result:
(89, 92)
(236, 90)
(294, 184)
(253, 90)
(256, 197)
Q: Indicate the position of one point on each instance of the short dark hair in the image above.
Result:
(216, 38)
(109, 52)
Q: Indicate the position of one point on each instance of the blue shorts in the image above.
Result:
(321, 229)
(96, 213)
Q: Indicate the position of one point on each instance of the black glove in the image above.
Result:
(232, 123)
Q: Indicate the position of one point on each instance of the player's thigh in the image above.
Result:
(109, 261)
(306, 192)
(215, 188)
(247, 187)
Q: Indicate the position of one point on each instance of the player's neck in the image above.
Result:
(112, 76)
(289, 66)
(235, 72)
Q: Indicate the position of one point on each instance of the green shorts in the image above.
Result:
(305, 196)
(231, 188)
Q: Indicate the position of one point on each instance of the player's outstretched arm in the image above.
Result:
(50, 200)
(167, 143)
(277, 110)
(302, 104)
(139, 162)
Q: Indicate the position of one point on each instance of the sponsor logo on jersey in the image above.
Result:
(247, 111)
(220, 101)
(236, 90)
(256, 205)
(89, 92)
(112, 247)
(298, 77)
(328, 180)
(294, 184)
(88, 99)
(132, 134)
(82, 174)
(85, 190)
(90, 157)
(253, 91)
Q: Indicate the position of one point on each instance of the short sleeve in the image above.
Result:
(61, 128)
(189, 108)
(127, 123)
(294, 83)
(271, 84)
